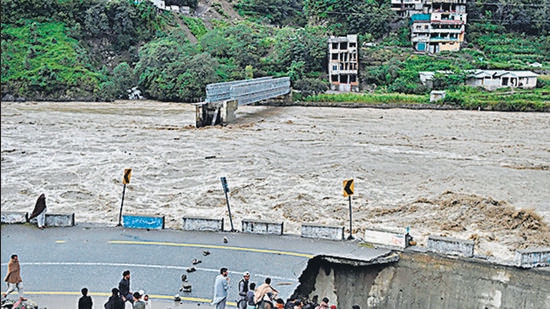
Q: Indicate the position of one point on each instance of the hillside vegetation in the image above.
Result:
(96, 49)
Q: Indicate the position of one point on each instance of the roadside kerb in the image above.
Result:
(53, 219)
(323, 231)
(262, 227)
(451, 246)
(202, 224)
(534, 257)
(13, 217)
(386, 238)
(143, 222)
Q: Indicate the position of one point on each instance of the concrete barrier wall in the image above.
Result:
(53, 219)
(385, 238)
(535, 257)
(323, 231)
(261, 227)
(451, 246)
(202, 224)
(9, 217)
(143, 222)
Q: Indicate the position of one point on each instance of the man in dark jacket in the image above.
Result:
(85, 302)
(114, 302)
(124, 287)
(243, 290)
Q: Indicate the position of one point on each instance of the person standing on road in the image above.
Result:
(243, 289)
(221, 286)
(114, 302)
(148, 303)
(138, 303)
(124, 287)
(250, 303)
(39, 211)
(85, 302)
(13, 278)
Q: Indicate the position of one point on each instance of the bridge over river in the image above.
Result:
(223, 99)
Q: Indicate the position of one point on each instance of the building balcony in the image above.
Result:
(443, 39)
(447, 31)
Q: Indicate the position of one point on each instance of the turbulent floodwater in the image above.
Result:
(281, 163)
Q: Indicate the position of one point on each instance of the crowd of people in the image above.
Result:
(251, 296)
(263, 296)
(122, 294)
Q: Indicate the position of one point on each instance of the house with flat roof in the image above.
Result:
(489, 79)
(494, 79)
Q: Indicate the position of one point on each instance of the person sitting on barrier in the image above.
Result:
(124, 287)
(39, 212)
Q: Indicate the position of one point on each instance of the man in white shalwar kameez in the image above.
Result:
(221, 286)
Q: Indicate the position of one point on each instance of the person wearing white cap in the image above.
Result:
(146, 300)
(243, 290)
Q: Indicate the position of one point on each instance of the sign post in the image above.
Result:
(125, 180)
(226, 190)
(348, 191)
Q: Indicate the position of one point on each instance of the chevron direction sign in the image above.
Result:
(127, 176)
(348, 187)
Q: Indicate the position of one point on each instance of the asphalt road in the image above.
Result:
(57, 262)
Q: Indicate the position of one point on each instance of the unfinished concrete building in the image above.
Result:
(343, 63)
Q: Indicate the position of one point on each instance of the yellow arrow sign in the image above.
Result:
(127, 176)
(348, 187)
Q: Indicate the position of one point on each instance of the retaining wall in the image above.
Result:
(423, 280)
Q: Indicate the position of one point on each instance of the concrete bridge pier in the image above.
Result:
(214, 113)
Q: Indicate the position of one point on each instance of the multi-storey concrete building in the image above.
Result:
(343, 63)
(438, 25)
(407, 8)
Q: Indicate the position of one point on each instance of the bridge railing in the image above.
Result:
(222, 91)
(248, 91)
(259, 90)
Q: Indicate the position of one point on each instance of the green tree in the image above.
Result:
(275, 12)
